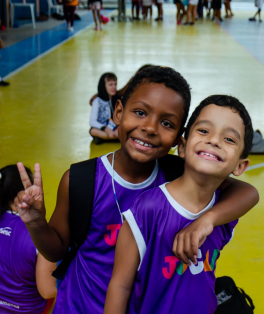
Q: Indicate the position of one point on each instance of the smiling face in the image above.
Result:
(215, 143)
(150, 122)
(110, 87)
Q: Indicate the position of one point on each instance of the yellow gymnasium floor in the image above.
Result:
(45, 111)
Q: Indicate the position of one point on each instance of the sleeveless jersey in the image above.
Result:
(18, 256)
(164, 284)
(84, 287)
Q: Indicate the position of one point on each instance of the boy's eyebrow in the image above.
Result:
(148, 106)
(234, 131)
(228, 129)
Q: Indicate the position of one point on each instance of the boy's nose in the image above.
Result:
(150, 127)
(214, 140)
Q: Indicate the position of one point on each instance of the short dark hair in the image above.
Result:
(161, 75)
(10, 186)
(237, 106)
(102, 93)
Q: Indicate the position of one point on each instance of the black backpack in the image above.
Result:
(231, 299)
(81, 195)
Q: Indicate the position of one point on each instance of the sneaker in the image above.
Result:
(68, 26)
(3, 83)
(212, 19)
(186, 23)
(98, 140)
(252, 19)
(101, 27)
(191, 23)
(179, 22)
(96, 29)
(71, 29)
(221, 20)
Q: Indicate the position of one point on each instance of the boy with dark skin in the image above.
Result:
(147, 131)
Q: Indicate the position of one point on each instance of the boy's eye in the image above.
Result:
(230, 140)
(203, 131)
(166, 124)
(140, 113)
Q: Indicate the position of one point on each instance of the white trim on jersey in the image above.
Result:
(180, 209)
(137, 234)
(126, 184)
(12, 213)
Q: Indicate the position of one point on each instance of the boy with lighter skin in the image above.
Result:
(219, 136)
(147, 131)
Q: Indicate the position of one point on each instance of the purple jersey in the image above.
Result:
(164, 284)
(84, 287)
(18, 290)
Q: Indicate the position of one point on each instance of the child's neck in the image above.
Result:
(193, 191)
(129, 169)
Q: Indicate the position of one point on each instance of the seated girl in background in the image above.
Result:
(102, 125)
(25, 276)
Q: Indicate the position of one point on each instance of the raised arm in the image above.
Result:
(125, 268)
(52, 240)
(237, 199)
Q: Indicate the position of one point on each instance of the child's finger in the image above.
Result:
(187, 250)
(37, 175)
(180, 250)
(23, 175)
(174, 245)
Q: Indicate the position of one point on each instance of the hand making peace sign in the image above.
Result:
(30, 202)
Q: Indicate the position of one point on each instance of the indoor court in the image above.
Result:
(44, 113)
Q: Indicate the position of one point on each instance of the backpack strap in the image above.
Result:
(81, 195)
(172, 166)
(248, 299)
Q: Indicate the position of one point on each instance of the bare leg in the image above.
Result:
(189, 12)
(150, 12)
(99, 18)
(161, 10)
(194, 13)
(226, 8)
(102, 134)
(178, 5)
(95, 19)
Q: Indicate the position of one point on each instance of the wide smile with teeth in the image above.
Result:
(209, 156)
(142, 143)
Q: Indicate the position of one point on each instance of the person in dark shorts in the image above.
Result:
(216, 6)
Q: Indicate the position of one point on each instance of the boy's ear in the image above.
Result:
(241, 167)
(181, 147)
(117, 116)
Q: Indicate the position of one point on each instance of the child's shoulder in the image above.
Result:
(150, 199)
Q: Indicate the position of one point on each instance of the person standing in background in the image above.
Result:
(258, 4)
(69, 7)
(95, 6)
(228, 10)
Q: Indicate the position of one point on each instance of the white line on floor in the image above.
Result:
(255, 166)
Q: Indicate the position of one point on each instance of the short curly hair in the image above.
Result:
(161, 75)
(237, 106)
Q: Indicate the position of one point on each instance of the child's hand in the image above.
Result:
(30, 203)
(189, 239)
